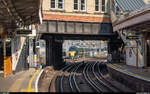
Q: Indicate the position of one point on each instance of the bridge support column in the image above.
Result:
(49, 51)
(57, 48)
(54, 53)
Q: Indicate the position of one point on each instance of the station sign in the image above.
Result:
(25, 32)
(132, 37)
(38, 44)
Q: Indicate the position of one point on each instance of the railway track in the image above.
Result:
(94, 74)
(63, 77)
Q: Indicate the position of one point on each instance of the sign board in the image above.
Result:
(21, 31)
(24, 32)
(31, 37)
(37, 44)
(132, 37)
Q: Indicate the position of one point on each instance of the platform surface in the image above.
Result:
(141, 73)
(23, 81)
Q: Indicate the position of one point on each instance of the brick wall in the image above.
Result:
(76, 18)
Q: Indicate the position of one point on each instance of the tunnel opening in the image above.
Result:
(55, 51)
(85, 50)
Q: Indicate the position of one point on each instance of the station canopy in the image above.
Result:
(138, 20)
(130, 5)
(14, 13)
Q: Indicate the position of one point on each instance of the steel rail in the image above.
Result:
(72, 74)
(114, 88)
(89, 80)
(62, 77)
(64, 68)
(100, 80)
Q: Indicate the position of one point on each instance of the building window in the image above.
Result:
(104, 5)
(53, 4)
(75, 4)
(60, 4)
(96, 5)
(83, 5)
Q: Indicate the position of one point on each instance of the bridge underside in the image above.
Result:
(54, 32)
(76, 36)
(54, 45)
(75, 28)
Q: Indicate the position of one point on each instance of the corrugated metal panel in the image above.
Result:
(130, 5)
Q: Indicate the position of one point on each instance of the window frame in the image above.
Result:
(98, 6)
(62, 5)
(77, 5)
(104, 5)
(81, 5)
(51, 5)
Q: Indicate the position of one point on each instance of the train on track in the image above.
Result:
(73, 51)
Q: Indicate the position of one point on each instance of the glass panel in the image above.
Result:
(82, 4)
(52, 3)
(60, 4)
(96, 5)
(75, 4)
(103, 5)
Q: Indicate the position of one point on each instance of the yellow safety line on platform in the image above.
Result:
(116, 66)
(30, 83)
(122, 67)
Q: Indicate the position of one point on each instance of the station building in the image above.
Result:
(74, 16)
(76, 10)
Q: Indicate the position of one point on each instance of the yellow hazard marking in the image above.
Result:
(30, 83)
(28, 90)
(118, 65)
